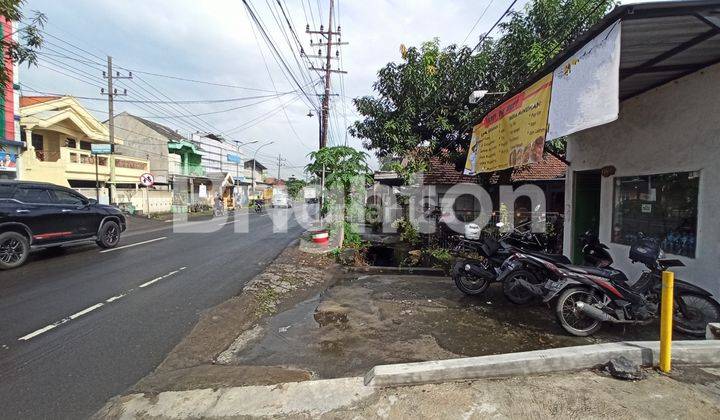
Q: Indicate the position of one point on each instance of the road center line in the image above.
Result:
(38, 332)
(148, 283)
(135, 244)
(86, 310)
(95, 306)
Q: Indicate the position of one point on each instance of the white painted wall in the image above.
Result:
(674, 128)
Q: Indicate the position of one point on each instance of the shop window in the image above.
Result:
(71, 143)
(662, 206)
(85, 145)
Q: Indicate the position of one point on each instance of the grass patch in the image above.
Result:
(267, 299)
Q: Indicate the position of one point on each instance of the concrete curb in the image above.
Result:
(644, 353)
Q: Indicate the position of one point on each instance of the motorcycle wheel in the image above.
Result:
(469, 284)
(570, 318)
(516, 293)
(700, 311)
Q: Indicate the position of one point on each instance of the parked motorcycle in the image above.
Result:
(588, 297)
(527, 269)
(473, 276)
(258, 206)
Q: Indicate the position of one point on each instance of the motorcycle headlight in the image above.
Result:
(467, 267)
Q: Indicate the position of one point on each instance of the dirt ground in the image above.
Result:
(378, 319)
(291, 278)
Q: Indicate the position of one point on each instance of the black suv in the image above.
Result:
(41, 215)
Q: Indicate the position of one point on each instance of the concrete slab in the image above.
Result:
(310, 398)
(644, 353)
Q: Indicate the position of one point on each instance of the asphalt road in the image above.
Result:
(78, 326)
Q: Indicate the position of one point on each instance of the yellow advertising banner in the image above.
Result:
(512, 134)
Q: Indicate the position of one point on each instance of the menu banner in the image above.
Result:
(512, 134)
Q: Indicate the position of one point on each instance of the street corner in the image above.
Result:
(362, 321)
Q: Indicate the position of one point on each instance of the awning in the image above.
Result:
(660, 42)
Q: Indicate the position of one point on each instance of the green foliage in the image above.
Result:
(294, 186)
(346, 174)
(423, 98)
(408, 233)
(30, 37)
(440, 257)
(351, 238)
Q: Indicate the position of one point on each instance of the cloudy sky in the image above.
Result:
(215, 41)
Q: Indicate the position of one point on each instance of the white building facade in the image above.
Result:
(219, 155)
(655, 170)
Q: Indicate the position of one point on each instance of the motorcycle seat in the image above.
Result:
(491, 246)
(555, 258)
(614, 275)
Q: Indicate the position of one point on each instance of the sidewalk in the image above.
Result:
(689, 392)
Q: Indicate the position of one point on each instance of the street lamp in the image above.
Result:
(237, 161)
(253, 167)
(477, 95)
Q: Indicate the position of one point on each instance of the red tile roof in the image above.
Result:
(549, 168)
(444, 173)
(32, 100)
(440, 172)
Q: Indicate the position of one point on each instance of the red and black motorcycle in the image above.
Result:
(588, 296)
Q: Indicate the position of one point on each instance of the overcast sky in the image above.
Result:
(214, 41)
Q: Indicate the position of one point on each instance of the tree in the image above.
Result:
(346, 174)
(423, 99)
(294, 186)
(30, 36)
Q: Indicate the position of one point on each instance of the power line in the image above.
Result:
(497, 22)
(477, 21)
(273, 48)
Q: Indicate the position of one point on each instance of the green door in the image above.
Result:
(586, 208)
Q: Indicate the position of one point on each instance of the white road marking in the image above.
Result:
(132, 245)
(95, 306)
(114, 298)
(172, 273)
(226, 223)
(86, 310)
(38, 332)
(148, 283)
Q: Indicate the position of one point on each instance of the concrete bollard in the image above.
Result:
(712, 331)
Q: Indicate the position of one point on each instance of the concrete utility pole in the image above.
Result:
(326, 68)
(111, 93)
(279, 164)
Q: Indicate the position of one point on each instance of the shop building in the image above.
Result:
(11, 144)
(655, 170)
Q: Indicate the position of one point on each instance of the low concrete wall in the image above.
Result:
(159, 201)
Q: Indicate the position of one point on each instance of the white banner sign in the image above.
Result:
(585, 88)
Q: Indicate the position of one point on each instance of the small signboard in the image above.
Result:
(233, 158)
(147, 179)
(101, 148)
(8, 162)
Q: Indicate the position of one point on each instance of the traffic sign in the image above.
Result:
(101, 148)
(147, 179)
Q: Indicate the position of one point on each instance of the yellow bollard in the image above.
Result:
(666, 319)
